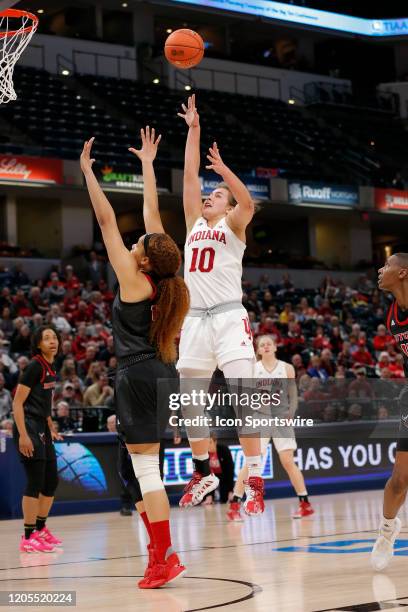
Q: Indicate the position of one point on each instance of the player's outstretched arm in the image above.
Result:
(122, 261)
(191, 183)
(147, 155)
(243, 212)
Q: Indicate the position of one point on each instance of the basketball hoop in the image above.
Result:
(16, 30)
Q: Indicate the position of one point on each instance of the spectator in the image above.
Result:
(6, 401)
(6, 426)
(55, 290)
(59, 321)
(21, 342)
(355, 412)
(63, 418)
(382, 413)
(298, 364)
(98, 393)
(90, 357)
(316, 370)
(381, 339)
(6, 322)
(362, 356)
(284, 315)
(37, 303)
(71, 281)
(68, 395)
(361, 388)
(95, 270)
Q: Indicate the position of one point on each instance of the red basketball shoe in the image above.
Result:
(197, 489)
(254, 490)
(305, 509)
(163, 573)
(234, 513)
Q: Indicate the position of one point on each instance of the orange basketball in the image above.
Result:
(184, 48)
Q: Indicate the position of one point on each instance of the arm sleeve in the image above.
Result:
(31, 375)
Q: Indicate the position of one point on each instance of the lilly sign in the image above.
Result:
(309, 17)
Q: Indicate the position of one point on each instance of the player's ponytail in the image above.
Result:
(173, 298)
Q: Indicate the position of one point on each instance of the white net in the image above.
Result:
(16, 30)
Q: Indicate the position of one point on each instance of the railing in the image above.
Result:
(116, 60)
(236, 76)
(342, 95)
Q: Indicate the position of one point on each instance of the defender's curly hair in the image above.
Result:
(173, 298)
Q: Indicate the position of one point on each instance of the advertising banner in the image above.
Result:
(259, 188)
(115, 177)
(308, 16)
(322, 193)
(24, 169)
(391, 199)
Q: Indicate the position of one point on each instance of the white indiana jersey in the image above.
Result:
(213, 264)
(269, 381)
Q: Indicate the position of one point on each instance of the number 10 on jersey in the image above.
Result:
(202, 260)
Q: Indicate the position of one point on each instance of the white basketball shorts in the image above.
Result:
(206, 343)
(281, 444)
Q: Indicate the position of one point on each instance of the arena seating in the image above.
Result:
(251, 132)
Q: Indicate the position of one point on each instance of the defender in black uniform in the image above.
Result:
(148, 312)
(393, 277)
(34, 434)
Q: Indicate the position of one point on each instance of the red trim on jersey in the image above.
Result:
(149, 279)
(405, 322)
(45, 366)
(388, 323)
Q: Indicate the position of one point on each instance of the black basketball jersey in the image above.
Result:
(397, 325)
(131, 322)
(39, 375)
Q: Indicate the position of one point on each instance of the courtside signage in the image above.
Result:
(178, 464)
(23, 169)
(309, 17)
(321, 193)
(391, 199)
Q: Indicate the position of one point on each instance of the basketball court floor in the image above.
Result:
(317, 564)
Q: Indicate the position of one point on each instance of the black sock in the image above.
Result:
(236, 499)
(28, 530)
(202, 466)
(303, 498)
(40, 522)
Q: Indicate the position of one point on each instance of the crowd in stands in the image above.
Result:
(346, 363)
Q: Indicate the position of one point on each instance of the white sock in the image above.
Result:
(388, 524)
(254, 464)
(201, 457)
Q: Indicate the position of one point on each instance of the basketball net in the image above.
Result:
(16, 30)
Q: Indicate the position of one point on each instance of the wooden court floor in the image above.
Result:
(267, 563)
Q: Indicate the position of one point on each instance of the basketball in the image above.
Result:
(184, 49)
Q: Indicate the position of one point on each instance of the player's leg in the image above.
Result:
(394, 496)
(35, 473)
(194, 382)
(242, 369)
(47, 493)
(167, 567)
(286, 457)
(234, 511)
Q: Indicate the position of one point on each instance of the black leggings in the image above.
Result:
(42, 477)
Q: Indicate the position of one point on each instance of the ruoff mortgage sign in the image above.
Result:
(322, 193)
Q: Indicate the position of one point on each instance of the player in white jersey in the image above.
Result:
(216, 331)
(269, 372)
